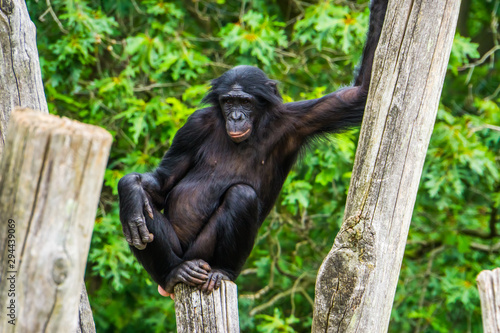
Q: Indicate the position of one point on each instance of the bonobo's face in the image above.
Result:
(238, 108)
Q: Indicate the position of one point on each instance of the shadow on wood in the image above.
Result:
(215, 312)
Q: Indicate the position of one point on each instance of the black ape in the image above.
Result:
(195, 218)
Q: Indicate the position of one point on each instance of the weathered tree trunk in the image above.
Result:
(197, 312)
(21, 85)
(488, 284)
(20, 75)
(50, 180)
(357, 280)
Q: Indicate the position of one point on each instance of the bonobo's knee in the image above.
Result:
(241, 193)
(129, 180)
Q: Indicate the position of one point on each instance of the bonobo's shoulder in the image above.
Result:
(200, 122)
(205, 115)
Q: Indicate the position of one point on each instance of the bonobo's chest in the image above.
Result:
(240, 164)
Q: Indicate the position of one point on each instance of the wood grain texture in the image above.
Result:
(357, 281)
(50, 181)
(85, 318)
(20, 75)
(216, 312)
(488, 284)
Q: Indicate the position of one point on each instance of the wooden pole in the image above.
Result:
(21, 86)
(488, 284)
(50, 180)
(197, 312)
(20, 75)
(357, 281)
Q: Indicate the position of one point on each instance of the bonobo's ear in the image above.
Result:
(274, 87)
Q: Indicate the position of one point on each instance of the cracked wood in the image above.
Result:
(357, 281)
(50, 180)
(20, 76)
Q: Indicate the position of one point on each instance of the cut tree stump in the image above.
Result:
(215, 312)
(50, 181)
(488, 284)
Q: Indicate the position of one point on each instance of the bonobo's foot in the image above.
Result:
(214, 280)
(192, 272)
(162, 292)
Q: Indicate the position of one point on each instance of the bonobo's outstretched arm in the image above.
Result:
(343, 108)
(377, 15)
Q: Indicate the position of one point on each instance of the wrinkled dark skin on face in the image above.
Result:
(194, 219)
(238, 107)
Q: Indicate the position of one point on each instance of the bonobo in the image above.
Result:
(195, 218)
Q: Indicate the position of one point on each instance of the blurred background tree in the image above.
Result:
(140, 68)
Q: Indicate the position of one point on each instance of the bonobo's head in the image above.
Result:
(243, 94)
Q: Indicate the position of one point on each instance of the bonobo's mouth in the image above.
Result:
(237, 135)
(240, 136)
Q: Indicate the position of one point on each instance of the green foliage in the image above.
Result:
(256, 34)
(276, 324)
(140, 68)
(327, 25)
(463, 50)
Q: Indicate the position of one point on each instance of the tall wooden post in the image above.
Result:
(21, 86)
(20, 76)
(357, 281)
(50, 180)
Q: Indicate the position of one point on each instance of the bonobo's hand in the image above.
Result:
(134, 206)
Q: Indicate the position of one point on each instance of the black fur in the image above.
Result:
(208, 197)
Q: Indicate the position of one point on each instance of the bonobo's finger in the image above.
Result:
(144, 232)
(189, 280)
(136, 238)
(196, 266)
(213, 282)
(208, 286)
(198, 275)
(193, 279)
(126, 233)
(148, 209)
(202, 264)
(218, 282)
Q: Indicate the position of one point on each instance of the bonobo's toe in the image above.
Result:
(213, 281)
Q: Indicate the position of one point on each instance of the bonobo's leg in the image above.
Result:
(228, 238)
(162, 257)
(150, 235)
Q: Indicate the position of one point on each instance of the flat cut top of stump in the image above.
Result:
(56, 124)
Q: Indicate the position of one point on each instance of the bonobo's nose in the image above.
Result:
(236, 116)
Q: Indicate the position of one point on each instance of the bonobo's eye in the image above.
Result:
(245, 102)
